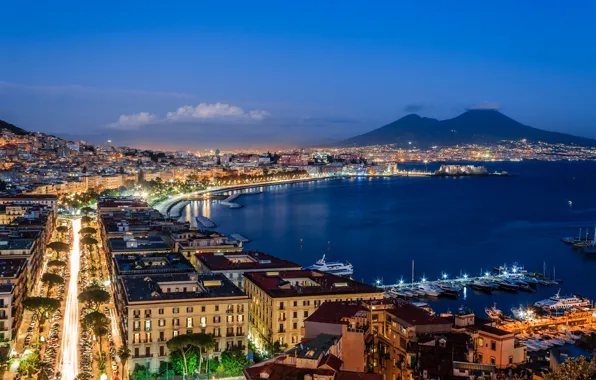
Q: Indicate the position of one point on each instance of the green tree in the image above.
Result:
(87, 231)
(192, 360)
(56, 263)
(42, 305)
(184, 343)
(30, 363)
(62, 230)
(51, 280)
(94, 297)
(234, 361)
(59, 247)
(88, 242)
(98, 323)
(85, 220)
(574, 368)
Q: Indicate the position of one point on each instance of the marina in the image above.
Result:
(505, 279)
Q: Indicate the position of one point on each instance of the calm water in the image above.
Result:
(456, 225)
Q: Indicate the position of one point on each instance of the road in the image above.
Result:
(70, 331)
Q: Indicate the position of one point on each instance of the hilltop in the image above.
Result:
(12, 128)
(473, 126)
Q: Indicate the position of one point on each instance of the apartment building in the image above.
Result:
(48, 200)
(13, 279)
(282, 301)
(153, 308)
(233, 265)
(194, 241)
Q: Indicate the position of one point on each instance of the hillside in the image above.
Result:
(13, 128)
(474, 126)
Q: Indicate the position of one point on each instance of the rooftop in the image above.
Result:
(307, 282)
(11, 268)
(338, 312)
(130, 244)
(181, 286)
(7, 243)
(415, 316)
(314, 348)
(246, 261)
(136, 264)
(121, 202)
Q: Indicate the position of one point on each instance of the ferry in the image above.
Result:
(334, 267)
(493, 312)
(561, 303)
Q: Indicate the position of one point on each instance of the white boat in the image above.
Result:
(493, 312)
(562, 303)
(334, 267)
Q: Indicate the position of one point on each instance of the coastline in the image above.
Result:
(165, 206)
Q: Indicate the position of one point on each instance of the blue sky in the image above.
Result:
(289, 73)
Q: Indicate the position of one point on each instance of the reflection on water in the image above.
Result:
(206, 208)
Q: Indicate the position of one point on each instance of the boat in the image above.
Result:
(590, 249)
(333, 267)
(571, 239)
(493, 312)
(562, 303)
(449, 290)
(521, 313)
(507, 285)
(482, 286)
(522, 285)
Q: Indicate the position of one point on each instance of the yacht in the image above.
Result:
(333, 267)
(493, 312)
(561, 303)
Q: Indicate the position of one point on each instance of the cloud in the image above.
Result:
(134, 121)
(414, 108)
(215, 111)
(485, 106)
(204, 111)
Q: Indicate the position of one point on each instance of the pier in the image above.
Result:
(240, 238)
(205, 222)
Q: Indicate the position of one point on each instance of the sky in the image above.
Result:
(223, 74)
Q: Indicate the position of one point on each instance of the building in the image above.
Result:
(13, 280)
(137, 245)
(282, 301)
(44, 200)
(234, 264)
(153, 308)
(108, 205)
(320, 358)
(193, 241)
(492, 345)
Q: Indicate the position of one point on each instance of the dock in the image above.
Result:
(205, 222)
(240, 238)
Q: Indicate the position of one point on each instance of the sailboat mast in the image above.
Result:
(412, 271)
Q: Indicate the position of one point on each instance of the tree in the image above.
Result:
(56, 263)
(94, 297)
(88, 241)
(124, 355)
(30, 363)
(574, 368)
(87, 231)
(42, 305)
(51, 280)
(184, 343)
(59, 247)
(62, 229)
(234, 361)
(85, 220)
(98, 323)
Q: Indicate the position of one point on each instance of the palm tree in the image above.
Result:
(185, 342)
(124, 354)
(98, 323)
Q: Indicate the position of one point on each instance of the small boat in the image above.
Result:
(493, 312)
(482, 286)
(507, 286)
(449, 290)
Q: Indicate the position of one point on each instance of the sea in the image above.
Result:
(451, 226)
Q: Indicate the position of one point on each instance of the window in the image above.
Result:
(241, 318)
(203, 309)
(295, 314)
(147, 325)
(295, 325)
(480, 342)
(162, 322)
(175, 333)
(136, 326)
(295, 303)
(189, 309)
(293, 340)
(230, 318)
(493, 360)
(175, 310)
(216, 332)
(230, 331)
(281, 306)
(239, 331)
(147, 351)
(216, 307)
(375, 317)
(160, 311)
(493, 345)
(175, 322)
(137, 352)
(216, 319)
(511, 360)
(189, 322)
(162, 351)
(479, 358)
(305, 314)
(305, 303)
(136, 338)
(162, 336)
(203, 321)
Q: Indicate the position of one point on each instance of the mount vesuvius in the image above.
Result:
(473, 126)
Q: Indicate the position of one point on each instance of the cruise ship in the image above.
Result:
(334, 267)
(561, 303)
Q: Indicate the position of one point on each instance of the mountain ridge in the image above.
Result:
(472, 126)
(12, 128)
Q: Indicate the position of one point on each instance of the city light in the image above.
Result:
(70, 338)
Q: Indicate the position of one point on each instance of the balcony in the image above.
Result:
(230, 311)
(136, 316)
(229, 334)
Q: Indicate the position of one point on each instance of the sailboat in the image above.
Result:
(591, 249)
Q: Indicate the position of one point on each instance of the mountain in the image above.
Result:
(13, 128)
(473, 126)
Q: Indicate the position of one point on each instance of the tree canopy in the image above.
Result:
(87, 231)
(41, 304)
(94, 297)
(186, 342)
(56, 263)
(578, 368)
(85, 220)
(51, 280)
(59, 246)
(233, 362)
(62, 229)
(86, 210)
(87, 240)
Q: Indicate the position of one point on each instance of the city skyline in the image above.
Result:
(289, 75)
